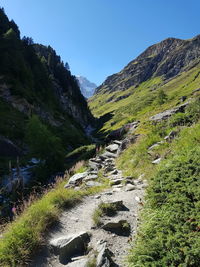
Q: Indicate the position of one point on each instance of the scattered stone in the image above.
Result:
(90, 177)
(76, 179)
(116, 182)
(125, 144)
(108, 155)
(138, 199)
(117, 142)
(115, 177)
(130, 181)
(94, 166)
(168, 113)
(78, 262)
(77, 188)
(68, 246)
(109, 160)
(107, 193)
(121, 227)
(116, 190)
(117, 186)
(97, 197)
(96, 160)
(91, 184)
(153, 146)
(170, 136)
(93, 173)
(196, 90)
(112, 148)
(109, 168)
(157, 161)
(119, 205)
(104, 256)
(114, 172)
(144, 185)
(129, 187)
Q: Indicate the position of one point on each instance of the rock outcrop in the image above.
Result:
(167, 58)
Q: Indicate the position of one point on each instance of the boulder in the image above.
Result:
(129, 187)
(156, 161)
(91, 184)
(117, 186)
(79, 263)
(108, 155)
(116, 190)
(94, 166)
(90, 177)
(70, 245)
(168, 113)
(120, 227)
(114, 172)
(170, 136)
(109, 160)
(76, 179)
(116, 181)
(112, 148)
(109, 168)
(153, 146)
(117, 142)
(96, 160)
(103, 258)
(118, 204)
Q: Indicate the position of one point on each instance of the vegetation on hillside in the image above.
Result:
(170, 231)
(32, 81)
(23, 236)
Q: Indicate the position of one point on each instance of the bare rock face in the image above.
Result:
(167, 58)
(68, 246)
(168, 113)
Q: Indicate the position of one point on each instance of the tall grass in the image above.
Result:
(23, 236)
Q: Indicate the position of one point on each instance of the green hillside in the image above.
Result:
(169, 230)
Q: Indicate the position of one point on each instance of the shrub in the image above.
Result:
(169, 235)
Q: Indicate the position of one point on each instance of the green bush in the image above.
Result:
(170, 233)
(44, 145)
(161, 97)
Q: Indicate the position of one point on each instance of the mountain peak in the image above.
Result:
(87, 87)
(166, 58)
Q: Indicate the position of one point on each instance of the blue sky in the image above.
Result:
(99, 37)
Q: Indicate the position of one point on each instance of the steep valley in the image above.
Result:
(127, 186)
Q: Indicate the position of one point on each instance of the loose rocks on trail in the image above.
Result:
(76, 240)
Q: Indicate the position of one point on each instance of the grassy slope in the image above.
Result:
(169, 233)
(26, 233)
(141, 104)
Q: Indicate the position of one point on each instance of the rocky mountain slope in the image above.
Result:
(87, 87)
(35, 82)
(169, 69)
(167, 59)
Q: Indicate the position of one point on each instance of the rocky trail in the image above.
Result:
(76, 241)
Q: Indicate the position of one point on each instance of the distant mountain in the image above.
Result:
(165, 59)
(87, 87)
